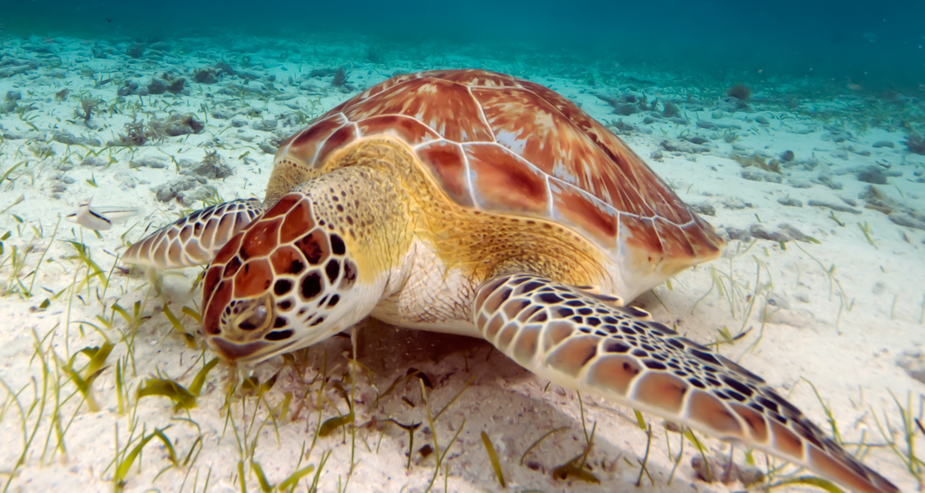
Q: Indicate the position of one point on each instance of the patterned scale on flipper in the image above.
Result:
(194, 239)
(590, 342)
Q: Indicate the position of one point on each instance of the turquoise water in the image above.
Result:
(874, 44)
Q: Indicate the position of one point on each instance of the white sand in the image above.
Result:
(849, 350)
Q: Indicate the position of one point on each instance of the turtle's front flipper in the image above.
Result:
(195, 239)
(583, 342)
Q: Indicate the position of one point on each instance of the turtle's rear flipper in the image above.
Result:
(581, 341)
(195, 239)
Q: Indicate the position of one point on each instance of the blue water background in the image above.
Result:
(876, 44)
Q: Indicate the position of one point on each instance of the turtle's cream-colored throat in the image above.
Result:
(453, 249)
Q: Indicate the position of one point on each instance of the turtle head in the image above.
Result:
(283, 283)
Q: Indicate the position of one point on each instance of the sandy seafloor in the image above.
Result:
(855, 332)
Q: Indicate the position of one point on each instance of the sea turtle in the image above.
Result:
(476, 203)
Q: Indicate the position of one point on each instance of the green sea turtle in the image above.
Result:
(476, 203)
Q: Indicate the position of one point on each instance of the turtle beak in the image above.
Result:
(233, 352)
(247, 353)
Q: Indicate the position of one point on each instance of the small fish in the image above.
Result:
(100, 218)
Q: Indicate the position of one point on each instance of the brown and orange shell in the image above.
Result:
(504, 145)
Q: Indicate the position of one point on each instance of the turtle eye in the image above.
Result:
(256, 320)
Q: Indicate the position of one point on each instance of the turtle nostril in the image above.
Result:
(256, 320)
